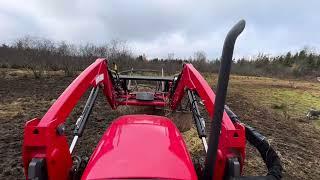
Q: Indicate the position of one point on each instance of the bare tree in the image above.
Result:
(200, 56)
(170, 56)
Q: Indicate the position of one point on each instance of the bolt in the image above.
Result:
(61, 129)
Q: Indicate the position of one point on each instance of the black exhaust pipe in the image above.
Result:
(223, 81)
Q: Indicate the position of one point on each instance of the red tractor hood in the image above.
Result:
(141, 146)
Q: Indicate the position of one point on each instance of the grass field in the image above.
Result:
(278, 109)
(288, 97)
(275, 107)
(291, 98)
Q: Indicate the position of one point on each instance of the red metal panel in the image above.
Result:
(141, 146)
(43, 142)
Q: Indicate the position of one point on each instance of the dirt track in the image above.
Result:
(296, 140)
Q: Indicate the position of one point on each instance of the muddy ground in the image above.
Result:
(22, 98)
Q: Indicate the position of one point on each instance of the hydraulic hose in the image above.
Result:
(268, 154)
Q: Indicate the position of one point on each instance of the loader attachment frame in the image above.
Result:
(45, 138)
(47, 153)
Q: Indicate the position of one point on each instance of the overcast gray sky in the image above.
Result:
(157, 28)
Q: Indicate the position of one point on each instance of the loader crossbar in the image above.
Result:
(146, 78)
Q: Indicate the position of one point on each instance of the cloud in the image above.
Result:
(157, 28)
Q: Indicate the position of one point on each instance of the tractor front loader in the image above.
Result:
(146, 146)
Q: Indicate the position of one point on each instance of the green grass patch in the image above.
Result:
(296, 102)
(291, 98)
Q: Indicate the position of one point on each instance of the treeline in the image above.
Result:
(299, 64)
(40, 55)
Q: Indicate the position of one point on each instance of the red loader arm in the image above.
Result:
(232, 140)
(45, 139)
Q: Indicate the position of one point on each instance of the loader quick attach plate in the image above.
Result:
(145, 96)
